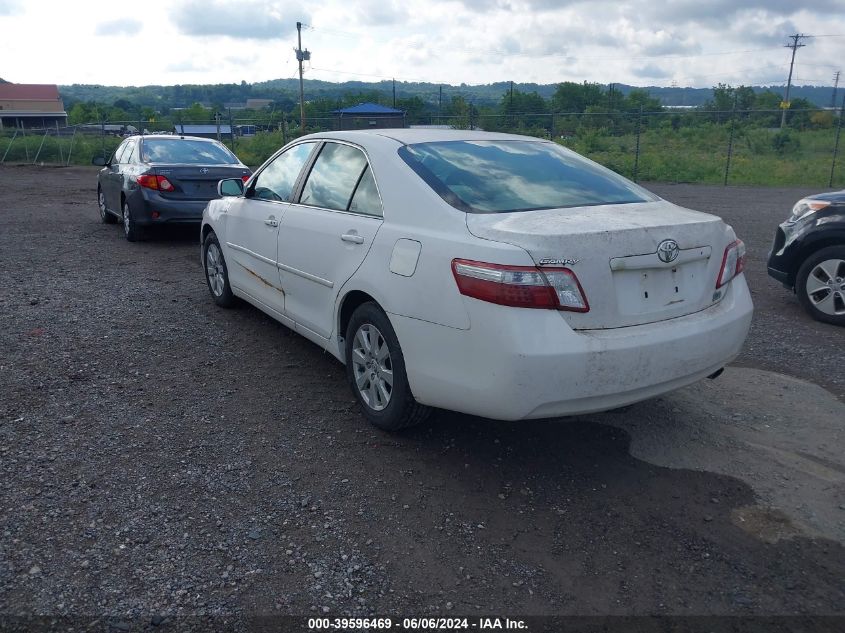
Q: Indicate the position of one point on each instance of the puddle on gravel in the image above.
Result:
(767, 524)
(783, 436)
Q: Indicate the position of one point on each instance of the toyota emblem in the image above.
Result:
(668, 251)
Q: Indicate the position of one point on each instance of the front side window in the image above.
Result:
(505, 176)
(334, 177)
(183, 151)
(277, 180)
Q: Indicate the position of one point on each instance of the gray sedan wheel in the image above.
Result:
(131, 230)
(105, 216)
(820, 285)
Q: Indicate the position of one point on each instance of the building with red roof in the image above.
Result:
(31, 105)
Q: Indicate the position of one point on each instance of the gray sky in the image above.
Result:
(641, 42)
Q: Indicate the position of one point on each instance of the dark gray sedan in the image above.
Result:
(161, 179)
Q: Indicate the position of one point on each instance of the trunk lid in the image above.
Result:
(613, 250)
(196, 182)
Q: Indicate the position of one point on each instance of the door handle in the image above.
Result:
(271, 221)
(352, 237)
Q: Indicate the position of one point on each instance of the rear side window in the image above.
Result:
(115, 160)
(130, 154)
(186, 152)
(366, 199)
(505, 176)
(276, 181)
(334, 177)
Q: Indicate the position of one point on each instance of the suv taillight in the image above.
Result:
(733, 262)
(155, 182)
(520, 286)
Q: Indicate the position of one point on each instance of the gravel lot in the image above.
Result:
(162, 457)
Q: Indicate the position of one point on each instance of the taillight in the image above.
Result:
(155, 182)
(520, 286)
(245, 177)
(733, 262)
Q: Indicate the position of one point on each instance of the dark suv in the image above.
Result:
(161, 179)
(808, 255)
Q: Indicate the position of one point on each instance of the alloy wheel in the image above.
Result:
(101, 202)
(214, 269)
(825, 287)
(372, 367)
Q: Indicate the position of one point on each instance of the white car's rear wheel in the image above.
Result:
(375, 367)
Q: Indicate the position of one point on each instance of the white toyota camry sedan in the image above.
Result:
(497, 275)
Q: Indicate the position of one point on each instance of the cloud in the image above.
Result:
(724, 12)
(250, 19)
(10, 7)
(186, 66)
(122, 26)
(650, 71)
(380, 12)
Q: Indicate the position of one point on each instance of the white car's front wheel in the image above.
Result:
(216, 272)
(375, 367)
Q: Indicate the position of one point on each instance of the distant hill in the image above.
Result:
(286, 92)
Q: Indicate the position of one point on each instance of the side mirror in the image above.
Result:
(99, 161)
(230, 187)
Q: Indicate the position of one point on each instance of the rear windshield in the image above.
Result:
(505, 176)
(186, 151)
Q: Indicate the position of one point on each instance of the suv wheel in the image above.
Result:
(820, 285)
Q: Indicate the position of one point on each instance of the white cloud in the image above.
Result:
(121, 26)
(450, 41)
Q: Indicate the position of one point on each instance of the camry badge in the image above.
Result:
(566, 261)
(668, 251)
(204, 170)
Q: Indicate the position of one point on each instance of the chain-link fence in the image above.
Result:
(698, 146)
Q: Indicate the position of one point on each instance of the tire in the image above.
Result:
(106, 216)
(131, 230)
(375, 368)
(820, 285)
(216, 272)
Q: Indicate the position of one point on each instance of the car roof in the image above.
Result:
(184, 137)
(409, 136)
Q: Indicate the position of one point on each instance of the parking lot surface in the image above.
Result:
(159, 455)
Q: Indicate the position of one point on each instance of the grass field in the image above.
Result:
(695, 154)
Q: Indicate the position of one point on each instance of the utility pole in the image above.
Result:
(835, 87)
(301, 55)
(440, 106)
(785, 103)
(394, 93)
(510, 104)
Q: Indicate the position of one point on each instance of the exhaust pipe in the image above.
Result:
(716, 374)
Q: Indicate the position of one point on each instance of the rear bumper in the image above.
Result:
(517, 364)
(169, 211)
